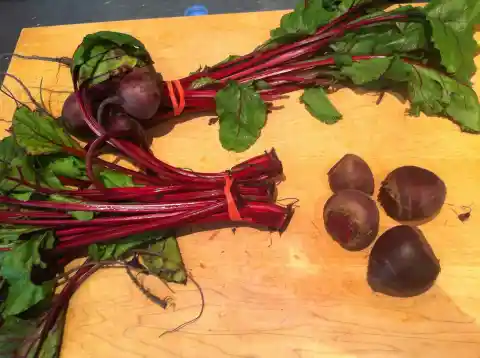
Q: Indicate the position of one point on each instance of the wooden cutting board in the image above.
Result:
(295, 295)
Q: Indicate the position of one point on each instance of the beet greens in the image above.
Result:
(320, 46)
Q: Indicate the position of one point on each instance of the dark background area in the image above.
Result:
(17, 14)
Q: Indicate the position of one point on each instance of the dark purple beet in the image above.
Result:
(351, 218)
(121, 125)
(351, 172)
(72, 119)
(402, 263)
(140, 92)
(412, 194)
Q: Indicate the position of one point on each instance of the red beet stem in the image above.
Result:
(280, 60)
(285, 53)
(267, 215)
(33, 214)
(95, 147)
(171, 193)
(169, 222)
(112, 208)
(61, 302)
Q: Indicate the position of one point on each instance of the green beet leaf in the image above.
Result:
(98, 252)
(202, 82)
(16, 268)
(452, 33)
(38, 134)
(319, 106)
(19, 262)
(17, 335)
(242, 115)
(9, 150)
(73, 167)
(50, 167)
(13, 331)
(306, 20)
(434, 93)
(386, 39)
(23, 294)
(261, 85)
(105, 54)
(169, 264)
(67, 166)
(366, 71)
(113, 179)
(79, 215)
(121, 248)
(21, 168)
(49, 178)
(55, 165)
(24, 196)
(10, 234)
(398, 71)
(228, 59)
(14, 163)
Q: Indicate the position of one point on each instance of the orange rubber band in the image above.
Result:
(173, 98)
(233, 212)
(178, 106)
(181, 94)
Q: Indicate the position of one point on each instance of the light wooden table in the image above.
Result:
(298, 295)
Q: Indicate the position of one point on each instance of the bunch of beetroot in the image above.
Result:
(319, 47)
(60, 201)
(171, 199)
(45, 176)
(402, 262)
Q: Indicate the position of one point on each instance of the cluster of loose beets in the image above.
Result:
(402, 262)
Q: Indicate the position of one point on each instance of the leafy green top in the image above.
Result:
(428, 90)
(242, 114)
(305, 20)
(319, 106)
(105, 54)
(16, 268)
(452, 25)
(40, 134)
(426, 53)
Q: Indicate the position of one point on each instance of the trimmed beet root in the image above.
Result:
(402, 263)
(72, 119)
(140, 92)
(351, 218)
(412, 194)
(351, 172)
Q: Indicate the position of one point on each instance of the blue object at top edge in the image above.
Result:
(196, 10)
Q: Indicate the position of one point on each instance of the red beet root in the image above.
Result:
(351, 218)
(72, 119)
(140, 93)
(412, 194)
(402, 263)
(351, 172)
(121, 125)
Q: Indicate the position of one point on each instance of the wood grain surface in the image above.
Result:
(298, 295)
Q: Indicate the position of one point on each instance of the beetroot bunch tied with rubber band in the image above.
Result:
(60, 201)
(321, 46)
(159, 196)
